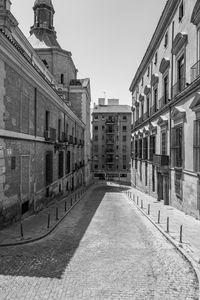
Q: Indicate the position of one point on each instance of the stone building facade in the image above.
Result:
(42, 146)
(111, 140)
(166, 110)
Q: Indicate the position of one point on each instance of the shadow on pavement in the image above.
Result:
(50, 257)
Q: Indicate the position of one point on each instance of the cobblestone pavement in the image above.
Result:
(104, 249)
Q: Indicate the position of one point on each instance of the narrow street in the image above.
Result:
(104, 249)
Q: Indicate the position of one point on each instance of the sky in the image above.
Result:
(107, 38)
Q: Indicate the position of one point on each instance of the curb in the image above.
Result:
(28, 241)
(192, 263)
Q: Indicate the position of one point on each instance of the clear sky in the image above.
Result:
(107, 38)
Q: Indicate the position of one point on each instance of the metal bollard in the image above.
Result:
(181, 233)
(167, 224)
(48, 221)
(159, 217)
(56, 213)
(21, 230)
(149, 209)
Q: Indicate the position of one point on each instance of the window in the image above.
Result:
(148, 71)
(102, 117)
(166, 40)
(124, 167)
(96, 117)
(62, 78)
(47, 119)
(124, 118)
(124, 128)
(60, 164)
(197, 145)
(96, 138)
(177, 146)
(124, 138)
(178, 183)
(13, 162)
(96, 166)
(103, 127)
(95, 128)
(142, 111)
(164, 143)
(153, 178)
(45, 63)
(152, 147)
(180, 74)
(142, 81)
(124, 148)
(59, 129)
(102, 137)
(156, 58)
(124, 157)
(181, 11)
(145, 148)
(147, 106)
(49, 167)
(155, 99)
(146, 173)
(96, 148)
(140, 149)
(166, 89)
(136, 149)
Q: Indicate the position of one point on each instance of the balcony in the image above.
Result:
(50, 135)
(161, 160)
(110, 151)
(110, 121)
(110, 132)
(110, 142)
(64, 137)
(179, 87)
(70, 139)
(164, 100)
(75, 141)
(195, 71)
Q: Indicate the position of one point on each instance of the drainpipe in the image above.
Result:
(151, 71)
(170, 120)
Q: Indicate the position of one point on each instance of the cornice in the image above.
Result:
(159, 32)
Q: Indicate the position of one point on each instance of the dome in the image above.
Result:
(47, 2)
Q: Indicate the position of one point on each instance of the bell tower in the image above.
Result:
(43, 27)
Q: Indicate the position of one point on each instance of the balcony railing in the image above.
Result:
(110, 141)
(110, 121)
(195, 71)
(164, 100)
(179, 87)
(50, 135)
(161, 160)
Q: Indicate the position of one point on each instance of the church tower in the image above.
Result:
(43, 28)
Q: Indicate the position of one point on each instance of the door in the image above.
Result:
(160, 186)
(166, 189)
(25, 183)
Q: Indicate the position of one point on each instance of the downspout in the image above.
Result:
(35, 146)
(151, 72)
(170, 120)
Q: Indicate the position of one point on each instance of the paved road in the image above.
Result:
(104, 249)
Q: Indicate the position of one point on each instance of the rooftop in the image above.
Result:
(112, 109)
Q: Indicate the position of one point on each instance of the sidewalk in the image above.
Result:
(39, 225)
(190, 226)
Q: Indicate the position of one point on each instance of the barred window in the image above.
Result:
(177, 146)
(164, 143)
(140, 148)
(197, 145)
(152, 147)
(145, 148)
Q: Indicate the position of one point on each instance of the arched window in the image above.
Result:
(62, 78)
